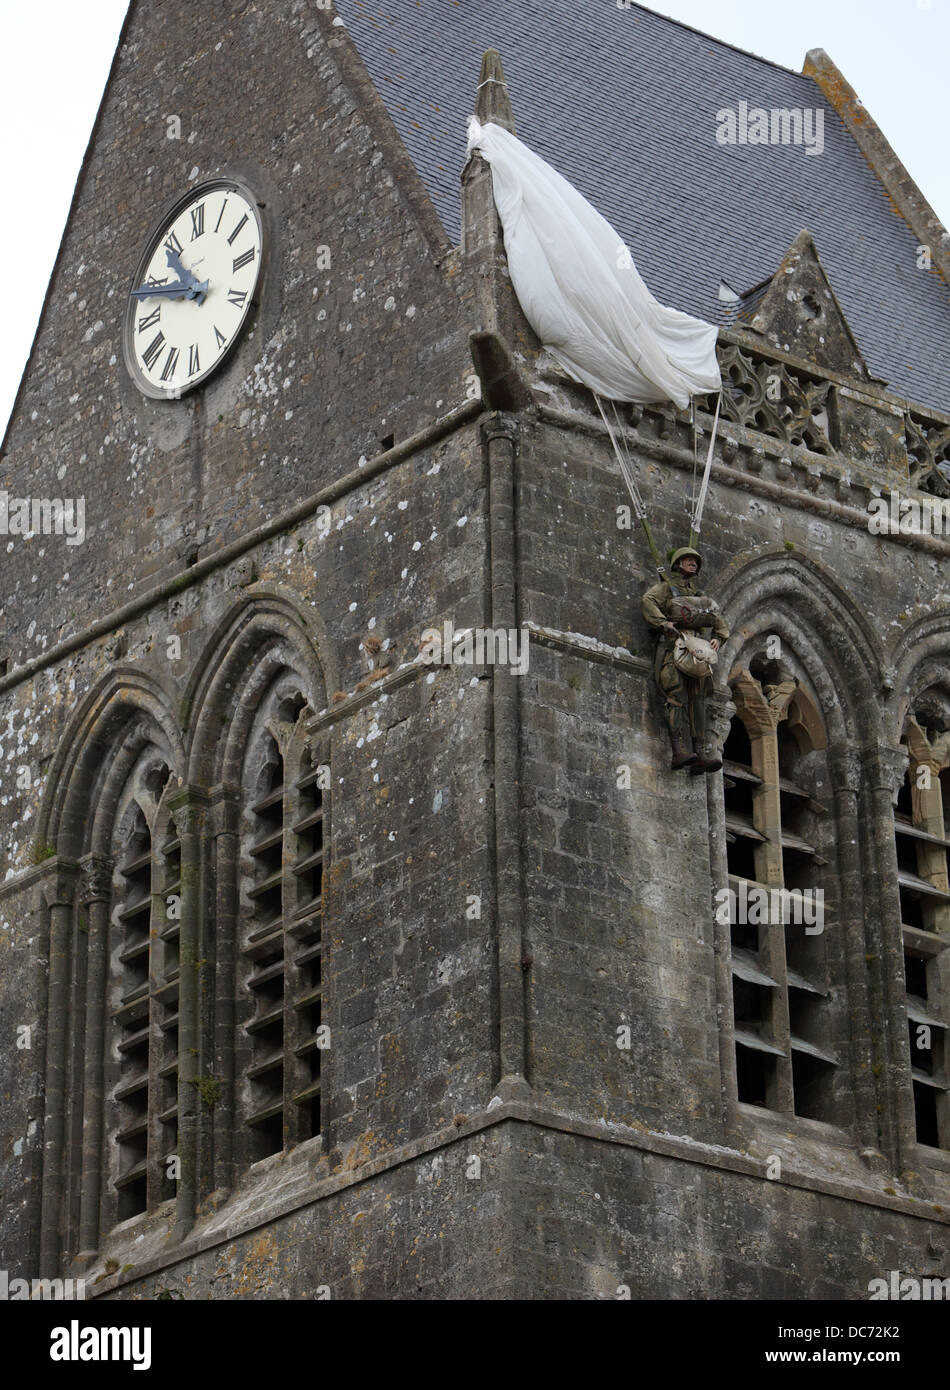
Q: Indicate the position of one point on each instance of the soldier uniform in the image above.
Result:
(684, 696)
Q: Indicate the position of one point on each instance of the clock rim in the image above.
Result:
(154, 236)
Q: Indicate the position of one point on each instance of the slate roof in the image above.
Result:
(623, 103)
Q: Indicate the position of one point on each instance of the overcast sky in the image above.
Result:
(56, 56)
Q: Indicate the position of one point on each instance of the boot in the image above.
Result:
(702, 762)
(681, 757)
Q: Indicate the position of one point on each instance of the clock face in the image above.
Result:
(193, 289)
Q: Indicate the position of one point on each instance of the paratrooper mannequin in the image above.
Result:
(671, 609)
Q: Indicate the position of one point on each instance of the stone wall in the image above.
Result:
(550, 1209)
(338, 357)
(545, 799)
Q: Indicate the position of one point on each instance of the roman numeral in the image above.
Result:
(219, 336)
(171, 362)
(237, 297)
(197, 221)
(241, 261)
(173, 244)
(154, 280)
(150, 320)
(220, 214)
(193, 364)
(236, 230)
(151, 354)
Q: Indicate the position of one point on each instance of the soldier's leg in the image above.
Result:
(673, 685)
(705, 762)
(696, 695)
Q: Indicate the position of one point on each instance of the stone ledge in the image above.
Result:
(34, 873)
(529, 1112)
(345, 709)
(590, 648)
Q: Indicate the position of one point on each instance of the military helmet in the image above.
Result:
(682, 553)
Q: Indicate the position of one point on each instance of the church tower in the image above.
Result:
(349, 950)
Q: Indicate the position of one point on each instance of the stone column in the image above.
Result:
(719, 713)
(224, 815)
(58, 890)
(500, 434)
(187, 811)
(96, 895)
(845, 769)
(886, 769)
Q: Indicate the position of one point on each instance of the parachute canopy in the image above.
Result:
(579, 288)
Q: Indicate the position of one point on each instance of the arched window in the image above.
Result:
(185, 920)
(131, 924)
(113, 1108)
(774, 767)
(283, 786)
(142, 1004)
(922, 830)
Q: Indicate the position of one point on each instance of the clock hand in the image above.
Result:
(194, 289)
(174, 263)
(173, 291)
(187, 287)
(186, 276)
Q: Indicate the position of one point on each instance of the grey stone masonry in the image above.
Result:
(330, 969)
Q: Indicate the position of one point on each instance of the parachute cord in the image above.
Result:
(697, 517)
(626, 469)
(626, 452)
(692, 421)
(623, 460)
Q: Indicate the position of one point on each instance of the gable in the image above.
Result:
(798, 312)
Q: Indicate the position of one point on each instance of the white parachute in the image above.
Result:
(580, 290)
